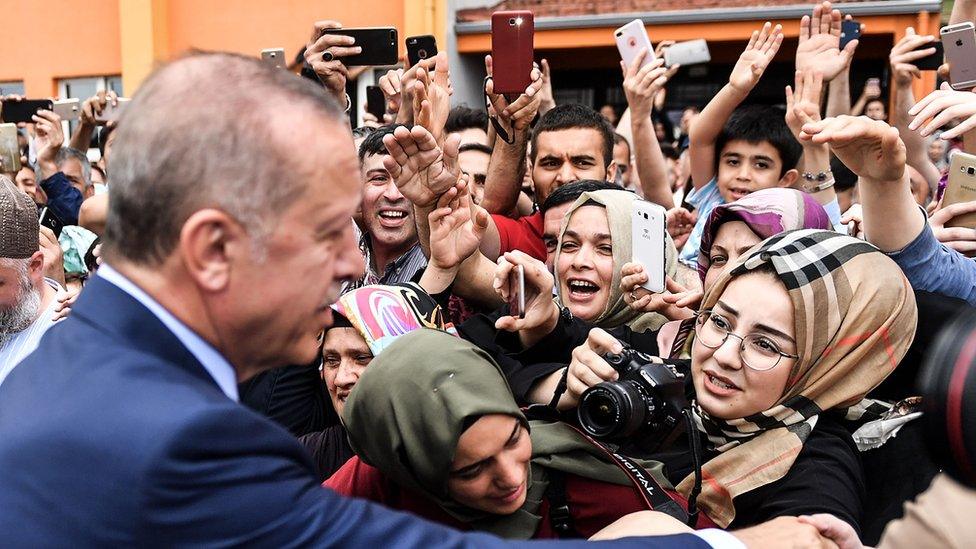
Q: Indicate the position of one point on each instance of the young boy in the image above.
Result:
(733, 151)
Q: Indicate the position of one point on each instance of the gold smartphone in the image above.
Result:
(274, 57)
(9, 148)
(961, 187)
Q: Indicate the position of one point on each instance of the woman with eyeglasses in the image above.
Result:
(789, 340)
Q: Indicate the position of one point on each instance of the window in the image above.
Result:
(83, 88)
(15, 87)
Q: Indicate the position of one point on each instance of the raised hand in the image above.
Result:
(94, 105)
(541, 312)
(681, 223)
(48, 140)
(422, 171)
(870, 148)
(819, 47)
(324, 53)
(432, 97)
(456, 227)
(676, 303)
(961, 239)
(391, 86)
(904, 54)
(943, 106)
(547, 99)
(758, 54)
(641, 84)
(519, 113)
(803, 106)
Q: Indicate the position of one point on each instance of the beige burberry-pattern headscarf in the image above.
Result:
(855, 318)
(620, 211)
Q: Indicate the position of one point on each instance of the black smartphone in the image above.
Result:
(516, 292)
(849, 30)
(933, 61)
(50, 220)
(379, 46)
(24, 111)
(375, 102)
(420, 47)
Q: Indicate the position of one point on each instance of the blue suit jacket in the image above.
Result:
(112, 433)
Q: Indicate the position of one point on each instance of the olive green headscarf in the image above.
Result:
(620, 211)
(412, 404)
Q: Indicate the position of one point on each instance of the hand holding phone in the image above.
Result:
(68, 109)
(420, 48)
(850, 30)
(23, 111)
(960, 188)
(692, 52)
(274, 57)
(631, 40)
(377, 46)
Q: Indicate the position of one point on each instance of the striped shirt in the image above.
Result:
(704, 200)
(400, 270)
(23, 343)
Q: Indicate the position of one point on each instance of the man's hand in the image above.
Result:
(432, 97)
(541, 312)
(48, 140)
(422, 171)
(834, 529)
(522, 111)
(803, 106)
(641, 84)
(961, 239)
(547, 100)
(870, 148)
(904, 54)
(588, 367)
(332, 73)
(454, 232)
(53, 255)
(943, 106)
(391, 85)
(65, 303)
(94, 105)
(819, 47)
(758, 54)
(783, 533)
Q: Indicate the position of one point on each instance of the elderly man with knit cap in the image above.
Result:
(27, 298)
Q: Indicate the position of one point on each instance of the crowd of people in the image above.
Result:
(260, 326)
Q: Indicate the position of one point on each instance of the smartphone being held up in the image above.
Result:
(516, 292)
(933, 61)
(24, 111)
(50, 220)
(274, 57)
(68, 109)
(512, 50)
(692, 52)
(850, 30)
(112, 111)
(961, 187)
(379, 46)
(420, 48)
(631, 39)
(9, 148)
(647, 232)
(375, 102)
(959, 42)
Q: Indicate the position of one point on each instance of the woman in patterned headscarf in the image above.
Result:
(805, 323)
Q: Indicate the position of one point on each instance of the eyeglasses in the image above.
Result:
(757, 351)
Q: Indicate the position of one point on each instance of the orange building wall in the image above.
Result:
(44, 41)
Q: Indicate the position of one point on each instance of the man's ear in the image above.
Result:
(612, 171)
(211, 244)
(789, 178)
(35, 267)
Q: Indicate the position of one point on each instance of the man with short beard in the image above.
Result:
(27, 298)
(389, 242)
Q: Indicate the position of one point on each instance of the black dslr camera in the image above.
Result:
(644, 406)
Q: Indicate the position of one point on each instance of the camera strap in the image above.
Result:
(560, 517)
(649, 490)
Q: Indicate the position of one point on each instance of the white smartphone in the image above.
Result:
(647, 232)
(274, 57)
(959, 44)
(68, 109)
(631, 38)
(692, 52)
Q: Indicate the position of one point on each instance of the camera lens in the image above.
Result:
(970, 170)
(511, 21)
(612, 409)
(422, 54)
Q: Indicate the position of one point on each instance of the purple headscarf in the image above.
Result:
(767, 212)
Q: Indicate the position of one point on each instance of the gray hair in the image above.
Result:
(208, 131)
(67, 153)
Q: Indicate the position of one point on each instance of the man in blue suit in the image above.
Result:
(228, 235)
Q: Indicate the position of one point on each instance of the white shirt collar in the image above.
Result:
(216, 365)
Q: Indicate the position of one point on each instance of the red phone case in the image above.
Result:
(512, 50)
